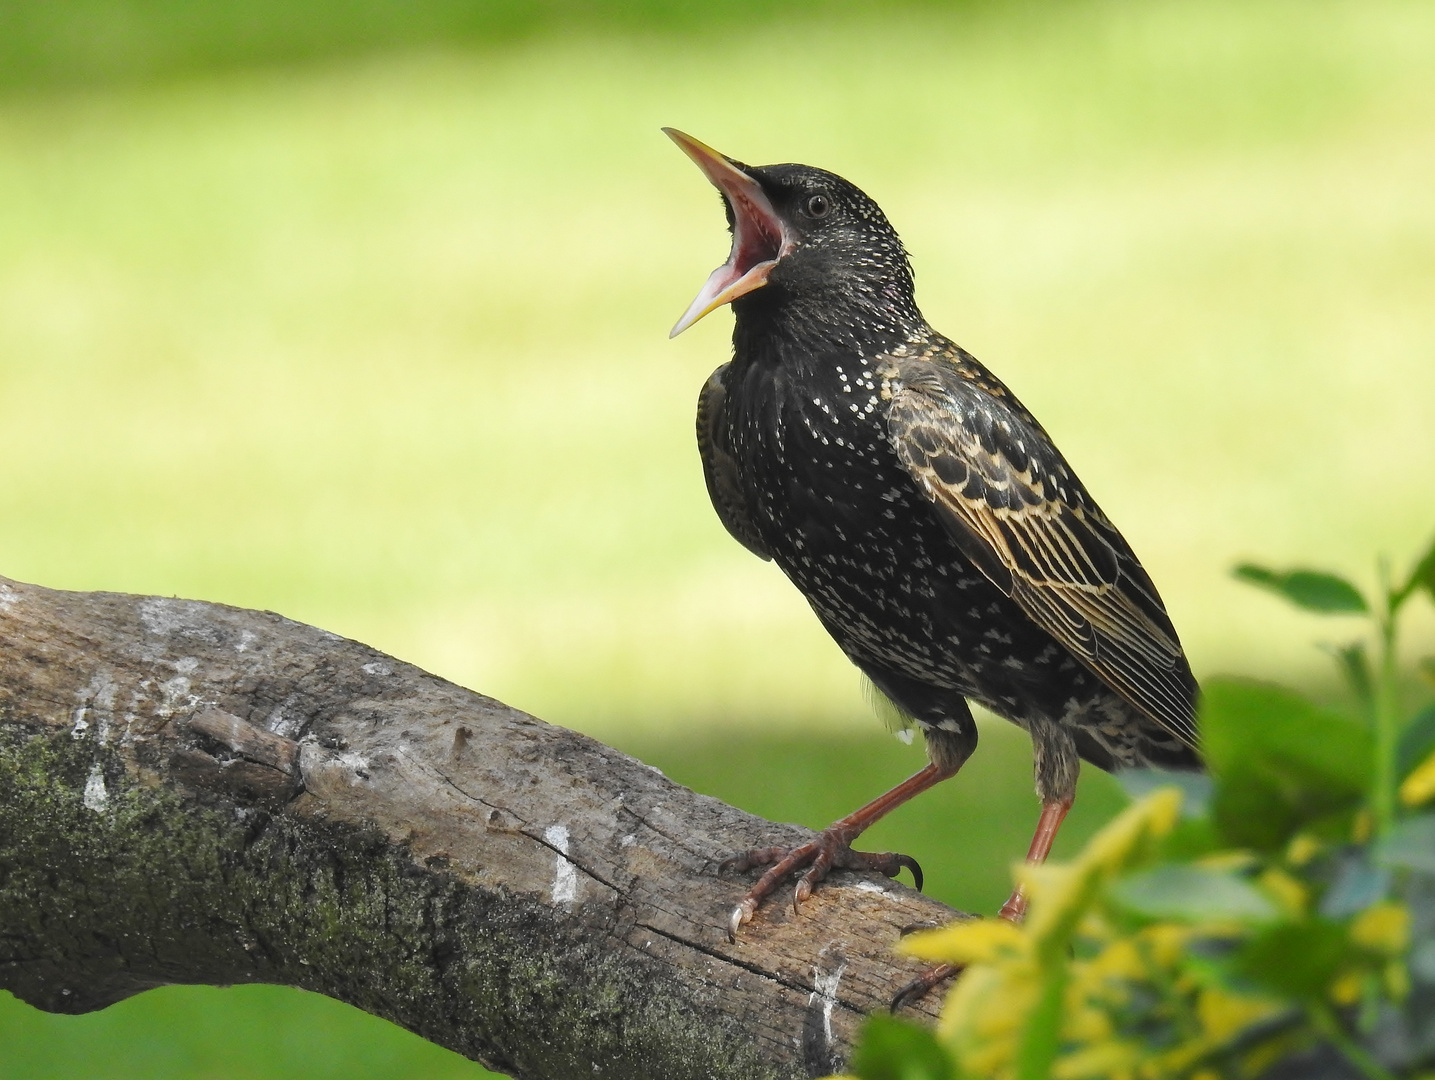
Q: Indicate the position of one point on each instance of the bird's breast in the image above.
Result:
(849, 526)
(814, 455)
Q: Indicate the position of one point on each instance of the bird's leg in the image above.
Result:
(1052, 815)
(1014, 910)
(832, 847)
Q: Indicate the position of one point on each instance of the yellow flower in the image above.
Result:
(1113, 847)
(1223, 1014)
(973, 941)
(1347, 986)
(1177, 1060)
(1303, 847)
(1286, 891)
(1009, 968)
(1119, 960)
(1383, 928)
(1168, 942)
(1362, 827)
(986, 1013)
(1228, 860)
(1397, 980)
(1103, 1061)
(1086, 1021)
(1419, 786)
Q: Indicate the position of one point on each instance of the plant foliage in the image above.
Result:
(1274, 920)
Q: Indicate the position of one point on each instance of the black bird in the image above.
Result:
(937, 532)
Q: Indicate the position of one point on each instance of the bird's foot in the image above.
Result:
(919, 987)
(831, 849)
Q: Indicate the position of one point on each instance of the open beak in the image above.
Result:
(759, 237)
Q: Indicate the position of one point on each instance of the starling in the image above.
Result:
(939, 535)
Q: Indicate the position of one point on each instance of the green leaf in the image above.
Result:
(1423, 576)
(892, 1049)
(1278, 760)
(1310, 589)
(1417, 741)
(1041, 1040)
(1354, 664)
(1192, 838)
(1426, 666)
(1411, 844)
(1194, 894)
(1251, 812)
(1298, 960)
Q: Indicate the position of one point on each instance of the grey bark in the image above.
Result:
(193, 793)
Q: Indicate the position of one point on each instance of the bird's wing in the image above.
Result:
(720, 467)
(1016, 510)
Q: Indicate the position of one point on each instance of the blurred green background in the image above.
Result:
(358, 312)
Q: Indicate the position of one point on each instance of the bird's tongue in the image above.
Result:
(759, 238)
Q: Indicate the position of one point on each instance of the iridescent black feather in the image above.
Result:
(937, 532)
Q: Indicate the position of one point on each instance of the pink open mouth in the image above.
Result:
(759, 237)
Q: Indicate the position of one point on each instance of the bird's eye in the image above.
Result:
(818, 205)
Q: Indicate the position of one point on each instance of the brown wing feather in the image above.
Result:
(720, 468)
(1018, 512)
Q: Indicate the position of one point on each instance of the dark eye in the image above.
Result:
(818, 205)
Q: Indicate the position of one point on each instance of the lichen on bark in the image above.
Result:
(510, 890)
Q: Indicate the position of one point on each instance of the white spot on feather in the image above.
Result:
(8, 597)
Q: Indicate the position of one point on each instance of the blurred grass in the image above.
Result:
(106, 42)
(378, 341)
(213, 1033)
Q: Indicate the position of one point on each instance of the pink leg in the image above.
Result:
(833, 847)
(1052, 815)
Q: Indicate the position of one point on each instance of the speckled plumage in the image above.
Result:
(938, 534)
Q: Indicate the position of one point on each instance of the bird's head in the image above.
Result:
(808, 248)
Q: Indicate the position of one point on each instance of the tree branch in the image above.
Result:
(193, 793)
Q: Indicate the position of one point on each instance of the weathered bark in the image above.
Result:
(192, 793)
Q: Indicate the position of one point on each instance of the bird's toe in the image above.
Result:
(923, 984)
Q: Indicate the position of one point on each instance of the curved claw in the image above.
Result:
(821, 864)
(889, 863)
(920, 986)
(800, 894)
(740, 914)
(912, 865)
